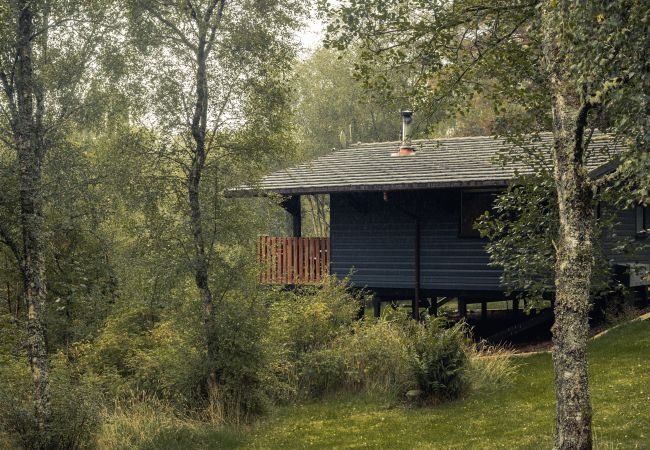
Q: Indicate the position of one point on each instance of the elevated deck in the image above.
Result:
(293, 260)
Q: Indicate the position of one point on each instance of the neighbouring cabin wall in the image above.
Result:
(636, 250)
(375, 239)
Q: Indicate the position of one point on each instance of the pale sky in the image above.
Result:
(311, 37)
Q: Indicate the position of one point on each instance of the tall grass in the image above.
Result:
(491, 366)
(148, 423)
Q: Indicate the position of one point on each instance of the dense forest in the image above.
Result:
(128, 277)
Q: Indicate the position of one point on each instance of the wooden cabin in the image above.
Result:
(402, 216)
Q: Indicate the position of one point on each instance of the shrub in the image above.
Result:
(302, 327)
(241, 361)
(310, 318)
(74, 405)
(440, 360)
(322, 371)
(168, 359)
(110, 356)
(172, 364)
(375, 355)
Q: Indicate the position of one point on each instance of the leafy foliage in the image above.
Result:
(440, 360)
(523, 231)
(75, 404)
(302, 326)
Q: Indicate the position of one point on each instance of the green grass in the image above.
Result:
(516, 416)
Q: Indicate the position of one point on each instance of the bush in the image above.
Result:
(74, 404)
(172, 364)
(440, 360)
(110, 357)
(376, 357)
(302, 327)
(168, 359)
(310, 318)
(322, 371)
(365, 356)
(242, 359)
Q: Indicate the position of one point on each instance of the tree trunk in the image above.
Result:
(199, 124)
(30, 155)
(574, 254)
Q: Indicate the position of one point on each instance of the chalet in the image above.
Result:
(402, 216)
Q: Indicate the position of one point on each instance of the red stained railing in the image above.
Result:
(293, 260)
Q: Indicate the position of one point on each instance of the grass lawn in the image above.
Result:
(516, 416)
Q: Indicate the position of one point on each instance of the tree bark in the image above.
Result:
(205, 23)
(574, 253)
(30, 155)
(199, 125)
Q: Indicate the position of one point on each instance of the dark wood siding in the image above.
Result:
(624, 233)
(374, 240)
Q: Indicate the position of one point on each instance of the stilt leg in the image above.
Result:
(376, 306)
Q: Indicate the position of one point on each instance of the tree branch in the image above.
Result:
(7, 239)
(215, 25)
(180, 37)
(9, 92)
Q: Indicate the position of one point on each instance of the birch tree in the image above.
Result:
(46, 53)
(208, 61)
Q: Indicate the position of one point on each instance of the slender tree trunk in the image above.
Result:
(199, 123)
(312, 214)
(9, 307)
(30, 154)
(205, 23)
(574, 254)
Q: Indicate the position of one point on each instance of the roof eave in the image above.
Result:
(314, 190)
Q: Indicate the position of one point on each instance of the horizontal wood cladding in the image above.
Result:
(624, 235)
(374, 240)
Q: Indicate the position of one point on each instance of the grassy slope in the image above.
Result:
(517, 416)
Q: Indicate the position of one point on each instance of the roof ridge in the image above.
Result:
(436, 139)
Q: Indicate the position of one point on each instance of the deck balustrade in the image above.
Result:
(293, 260)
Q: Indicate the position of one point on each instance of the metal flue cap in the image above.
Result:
(406, 148)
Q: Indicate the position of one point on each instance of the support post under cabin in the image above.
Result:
(462, 307)
(433, 306)
(376, 306)
(292, 206)
(416, 299)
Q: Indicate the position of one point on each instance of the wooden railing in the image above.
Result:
(293, 260)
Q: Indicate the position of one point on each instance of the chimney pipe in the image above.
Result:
(407, 148)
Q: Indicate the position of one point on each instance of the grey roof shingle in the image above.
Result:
(437, 163)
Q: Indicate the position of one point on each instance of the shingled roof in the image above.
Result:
(437, 163)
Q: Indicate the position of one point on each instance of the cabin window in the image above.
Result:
(472, 206)
(642, 220)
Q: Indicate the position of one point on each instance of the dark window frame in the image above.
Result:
(463, 232)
